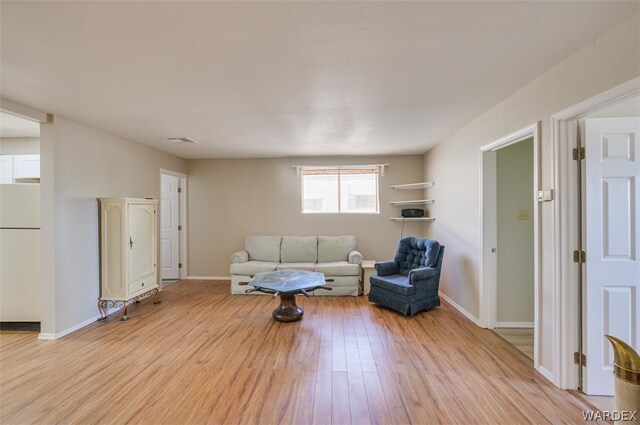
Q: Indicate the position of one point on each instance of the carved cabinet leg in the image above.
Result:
(126, 309)
(102, 305)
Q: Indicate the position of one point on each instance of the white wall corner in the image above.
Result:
(464, 312)
(58, 335)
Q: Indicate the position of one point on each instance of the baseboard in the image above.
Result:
(46, 337)
(464, 312)
(58, 335)
(544, 372)
(514, 325)
(209, 277)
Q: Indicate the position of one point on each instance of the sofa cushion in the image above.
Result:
(335, 248)
(252, 267)
(263, 248)
(299, 249)
(395, 283)
(338, 268)
(296, 266)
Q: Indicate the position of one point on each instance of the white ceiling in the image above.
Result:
(266, 79)
(12, 126)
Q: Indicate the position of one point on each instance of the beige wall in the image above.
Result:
(19, 145)
(610, 60)
(514, 170)
(80, 164)
(232, 198)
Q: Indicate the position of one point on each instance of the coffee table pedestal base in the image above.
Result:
(288, 310)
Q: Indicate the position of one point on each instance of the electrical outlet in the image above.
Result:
(523, 215)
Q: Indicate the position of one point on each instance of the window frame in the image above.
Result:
(339, 171)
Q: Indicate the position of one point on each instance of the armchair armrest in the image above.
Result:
(422, 273)
(385, 268)
(355, 257)
(240, 257)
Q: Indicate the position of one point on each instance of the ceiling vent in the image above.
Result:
(181, 140)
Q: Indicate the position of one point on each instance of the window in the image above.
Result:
(340, 190)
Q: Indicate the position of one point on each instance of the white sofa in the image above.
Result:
(335, 256)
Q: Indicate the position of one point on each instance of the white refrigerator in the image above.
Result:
(20, 253)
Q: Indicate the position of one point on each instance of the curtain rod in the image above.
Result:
(330, 167)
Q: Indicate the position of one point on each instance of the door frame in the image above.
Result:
(565, 303)
(489, 230)
(182, 272)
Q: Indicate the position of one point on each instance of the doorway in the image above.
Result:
(172, 227)
(511, 239)
(20, 224)
(514, 247)
(594, 236)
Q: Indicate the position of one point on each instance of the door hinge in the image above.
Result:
(179, 265)
(578, 154)
(179, 190)
(580, 359)
(579, 257)
(179, 227)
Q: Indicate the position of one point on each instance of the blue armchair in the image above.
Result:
(409, 283)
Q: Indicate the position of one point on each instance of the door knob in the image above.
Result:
(130, 242)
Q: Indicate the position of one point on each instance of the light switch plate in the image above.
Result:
(544, 195)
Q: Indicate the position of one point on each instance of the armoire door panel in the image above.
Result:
(142, 241)
(114, 246)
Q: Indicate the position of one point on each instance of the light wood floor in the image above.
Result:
(203, 356)
(521, 338)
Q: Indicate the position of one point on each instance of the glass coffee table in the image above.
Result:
(286, 284)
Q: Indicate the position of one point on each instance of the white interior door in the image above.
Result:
(170, 220)
(612, 303)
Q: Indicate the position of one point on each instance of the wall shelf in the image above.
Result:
(414, 202)
(412, 218)
(422, 185)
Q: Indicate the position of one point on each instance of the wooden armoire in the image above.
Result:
(128, 252)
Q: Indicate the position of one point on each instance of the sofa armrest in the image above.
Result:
(386, 268)
(355, 257)
(240, 257)
(422, 273)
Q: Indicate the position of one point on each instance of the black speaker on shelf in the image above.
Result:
(412, 212)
